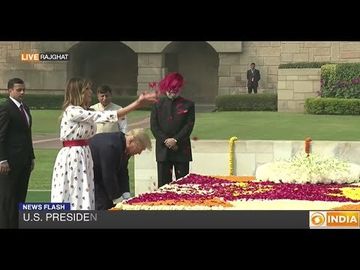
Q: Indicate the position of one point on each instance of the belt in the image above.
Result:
(75, 143)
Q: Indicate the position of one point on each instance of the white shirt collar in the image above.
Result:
(16, 102)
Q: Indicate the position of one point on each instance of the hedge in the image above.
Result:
(340, 80)
(54, 102)
(338, 106)
(247, 102)
(42, 101)
(303, 65)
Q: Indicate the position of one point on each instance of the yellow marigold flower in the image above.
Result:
(351, 193)
(231, 154)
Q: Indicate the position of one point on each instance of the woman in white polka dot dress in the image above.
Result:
(73, 177)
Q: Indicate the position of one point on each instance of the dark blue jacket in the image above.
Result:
(111, 176)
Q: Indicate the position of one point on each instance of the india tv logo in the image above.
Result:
(334, 219)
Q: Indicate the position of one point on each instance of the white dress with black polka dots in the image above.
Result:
(73, 176)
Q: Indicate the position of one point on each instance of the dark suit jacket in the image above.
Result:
(15, 147)
(173, 119)
(255, 75)
(15, 135)
(111, 176)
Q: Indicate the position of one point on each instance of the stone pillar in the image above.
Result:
(150, 69)
(229, 74)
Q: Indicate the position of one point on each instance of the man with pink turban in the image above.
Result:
(172, 121)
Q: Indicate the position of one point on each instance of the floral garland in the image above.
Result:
(231, 154)
(308, 146)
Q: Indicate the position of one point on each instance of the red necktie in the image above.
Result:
(23, 114)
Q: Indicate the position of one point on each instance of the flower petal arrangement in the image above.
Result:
(315, 168)
(201, 192)
(306, 182)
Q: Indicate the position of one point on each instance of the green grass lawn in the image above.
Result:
(47, 122)
(38, 196)
(40, 178)
(219, 125)
(137, 116)
(276, 126)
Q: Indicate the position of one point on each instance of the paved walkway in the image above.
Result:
(49, 142)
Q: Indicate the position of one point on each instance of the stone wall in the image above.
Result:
(234, 60)
(268, 56)
(39, 76)
(295, 85)
(150, 69)
(211, 157)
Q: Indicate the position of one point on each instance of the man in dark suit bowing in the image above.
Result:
(16, 153)
(172, 121)
(111, 153)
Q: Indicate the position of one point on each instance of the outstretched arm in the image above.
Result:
(143, 99)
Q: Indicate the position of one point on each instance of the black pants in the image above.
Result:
(165, 171)
(252, 86)
(13, 190)
(102, 196)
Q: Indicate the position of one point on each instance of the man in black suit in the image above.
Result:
(253, 78)
(172, 121)
(16, 153)
(111, 153)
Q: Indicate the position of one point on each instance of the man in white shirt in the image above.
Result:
(104, 95)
